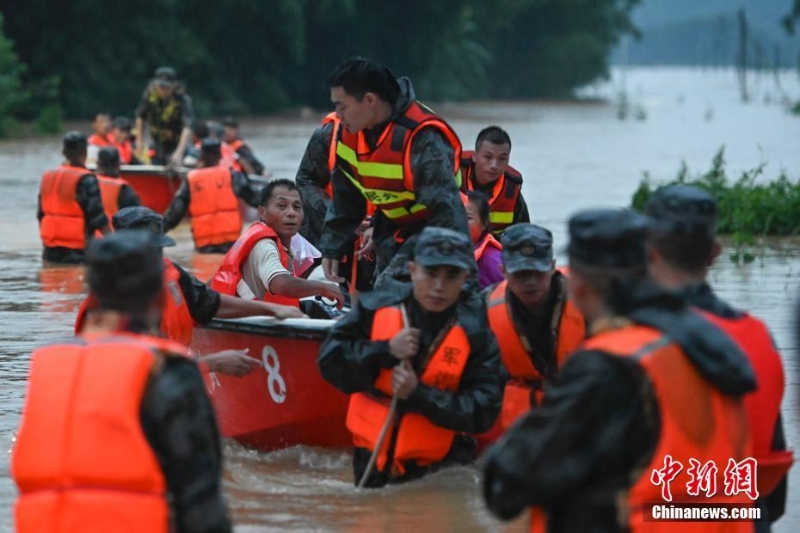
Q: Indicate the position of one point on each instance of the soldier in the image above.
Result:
(429, 346)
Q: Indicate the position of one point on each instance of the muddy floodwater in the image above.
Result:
(571, 155)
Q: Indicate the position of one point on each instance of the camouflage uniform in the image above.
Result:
(434, 186)
(166, 118)
(312, 178)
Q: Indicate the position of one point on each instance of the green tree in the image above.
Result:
(12, 94)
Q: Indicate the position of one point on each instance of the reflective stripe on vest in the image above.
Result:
(697, 421)
(525, 379)
(417, 438)
(213, 206)
(504, 197)
(82, 418)
(64, 223)
(229, 274)
(383, 174)
(763, 405)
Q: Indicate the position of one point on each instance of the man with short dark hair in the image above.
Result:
(682, 247)
(70, 207)
(168, 111)
(260, 264)
(210, 195)
(116, 192)
(429, 346)
(118, 433)
(653, 387)
(120, 138)
(399, 155)
(486, 170)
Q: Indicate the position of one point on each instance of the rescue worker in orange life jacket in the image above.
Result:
(209, 195)
(429, 345)
(103, 442)
(399, 155)
(260, 265)
(116, 192)
(101, 128)
(537, 326)
(247, 158)
(487, 170)
(190, 301)
(653, 379)
(682, 245)
(70, 207)
(120, 138)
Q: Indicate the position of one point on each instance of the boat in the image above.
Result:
(155, 184)
(285, 403)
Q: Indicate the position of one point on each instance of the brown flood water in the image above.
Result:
(571, 155)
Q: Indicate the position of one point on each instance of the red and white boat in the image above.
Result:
(287, 402)
(155, 184)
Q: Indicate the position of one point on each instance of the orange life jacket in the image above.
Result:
(384, 175)
(417, 438)
(81, 460)
(213, 207)
(98, 140)
(125, 151)
(697, 421)
(229, 274)
(488, 240)
(229, 159)
(763, 405)
(524, 389)
(109, 192)
(176, 323)
(64, 223)
(505, 193)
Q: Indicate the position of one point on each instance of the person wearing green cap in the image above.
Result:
(70, 206)
(682, 246)
(118, 433)
(427, 345)
(654, 386)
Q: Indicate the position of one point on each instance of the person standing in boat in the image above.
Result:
(210, 195)
(250, 163)
(260, 265)
(70, 207)
(116, 192)
(486, 170)
(682, 247)
(487, 248)
(536, 324)
(117, 432)
(653, 386)
(429, 346)
(396, 153)
(167, 109)
(191, 302)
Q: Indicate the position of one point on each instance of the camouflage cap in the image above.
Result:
(165, 76)
(142, 218)
(441, 246)
(611, 238)
(683, 210)
(527, 247)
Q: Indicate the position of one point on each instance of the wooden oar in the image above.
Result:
(389, 417)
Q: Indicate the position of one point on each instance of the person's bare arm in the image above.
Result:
(234, 307)
(177, 156)
(288, 285)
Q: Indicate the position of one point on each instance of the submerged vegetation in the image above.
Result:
(746, 209)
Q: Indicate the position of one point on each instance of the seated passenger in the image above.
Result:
(487, 248)
(259, 265)
(101, 127)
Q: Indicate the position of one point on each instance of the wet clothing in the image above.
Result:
(506, 204)
(162, 417)
(87, 200)
(116, 194)
(761, 411)
(489, 257)
(167, 119)
(431, 164)
(246, 153)
(352, 363)
(182, 201)
(600, 420)
(313, 179)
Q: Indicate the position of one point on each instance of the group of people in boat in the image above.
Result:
(585, 386)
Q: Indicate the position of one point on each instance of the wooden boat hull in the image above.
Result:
(155, 184)
(287, 402)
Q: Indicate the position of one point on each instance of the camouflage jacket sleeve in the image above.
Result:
(87, 194)
(177, 209)
(434, 181)
(521, 211)
(128, 197)
(242, 188)
(312, 177)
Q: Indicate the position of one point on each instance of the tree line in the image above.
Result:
(252, 56)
